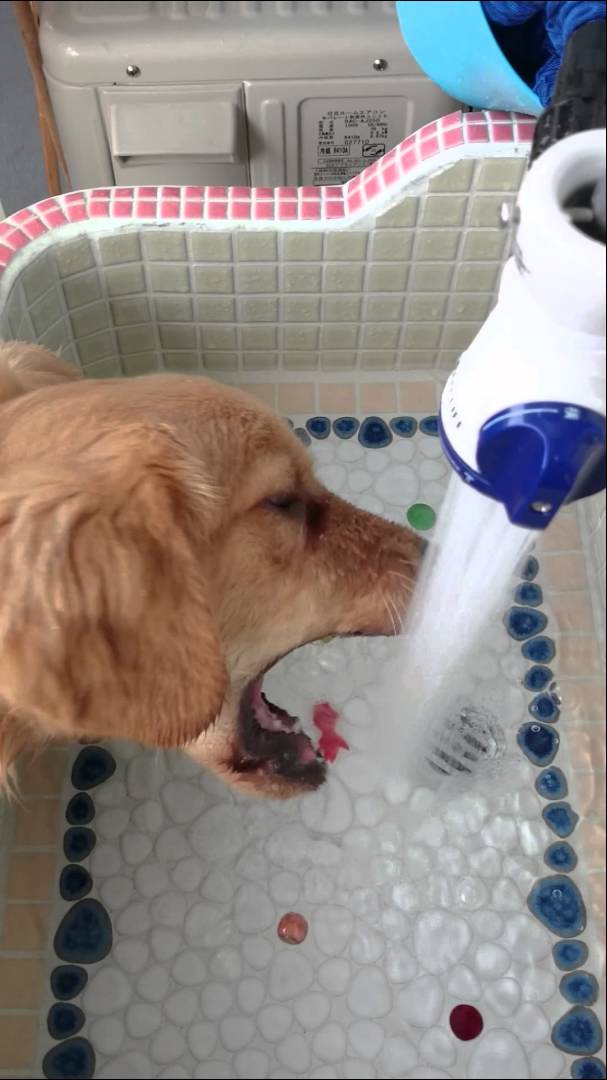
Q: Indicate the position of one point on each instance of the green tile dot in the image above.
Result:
(421, 516)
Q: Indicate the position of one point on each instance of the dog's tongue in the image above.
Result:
(331, 742)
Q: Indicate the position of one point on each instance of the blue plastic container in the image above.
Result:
(454, 45)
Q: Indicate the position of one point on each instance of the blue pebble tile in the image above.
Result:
(544, 707)
(569, 955)
(578, 1032)
(346, 426)
(319, 427)
(557, 902)
(538, 742)
(404, 426)
(579, 988)
(523, 622)
(560, 856)
(528, 594)
(64, 1020)
(92, 766)
(75, 882)
(530, 568)
(70, 1060)
(374, 433)
(540, 650)
(560, 818)
(80, 809)
(303, 436)
(588, 1069)
(84, 935)
(537, 678)
(67, 981)
(78, 842)
(429, 425)
(552, 784)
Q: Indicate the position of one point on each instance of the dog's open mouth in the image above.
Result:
(273, 743)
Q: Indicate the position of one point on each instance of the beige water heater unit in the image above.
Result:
(230, 93)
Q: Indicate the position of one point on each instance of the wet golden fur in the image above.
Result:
(163, 541)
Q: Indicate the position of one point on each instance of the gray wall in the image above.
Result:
(21, 169)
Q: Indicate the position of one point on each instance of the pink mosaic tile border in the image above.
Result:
(469, 133)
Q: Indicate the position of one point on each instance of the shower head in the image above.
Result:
(522, 417)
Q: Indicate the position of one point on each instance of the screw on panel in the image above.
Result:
(133, 71)
(379, 64)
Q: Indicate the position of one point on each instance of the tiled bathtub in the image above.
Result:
(132, 942)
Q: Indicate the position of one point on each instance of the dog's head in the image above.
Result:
(163, 541)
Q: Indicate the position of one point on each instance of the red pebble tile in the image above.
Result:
(465, 1022)
(292, 928)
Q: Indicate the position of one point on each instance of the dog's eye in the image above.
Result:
(285, 504)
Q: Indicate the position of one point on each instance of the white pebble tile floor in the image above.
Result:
(415, 904)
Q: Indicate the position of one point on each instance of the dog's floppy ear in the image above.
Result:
(105, 621)
(25, 367)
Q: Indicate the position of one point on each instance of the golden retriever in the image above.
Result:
(163, 542)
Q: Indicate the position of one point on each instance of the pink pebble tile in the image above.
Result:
(193, 208)
(239, 211)
(54, 218)
(216, 211)
(331, 192)
(262, 192)
(453, 137)
(263, 211)
(372, 187)
(147, 192)
(36, 227)
(451, 120)
(429, 147)
(354, 201)
(5, 255)
(145, 208)
(309, 211)
(286, 211)
(410, 160)
(76, 212)
(500, 132)
(334, 209)
(46, 204)
(239, 193)
(170, 208)
(309, 192)
(123, 193)
(122, 209)
(476, 133)
(391, 172)
(216, 192)
(170, 192)
(428, 130)
(21, 217)
(286, 193)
